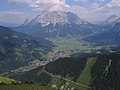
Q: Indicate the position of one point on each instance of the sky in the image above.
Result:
(93, 11)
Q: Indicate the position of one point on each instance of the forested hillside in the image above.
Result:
(17, 49)
(99, 72)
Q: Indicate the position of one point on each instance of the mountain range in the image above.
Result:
(66, 24)
(18, 49)
(111, 21)
(58, 24)
(16, 46)
(110, 36)
(95, 67)
(9, 24)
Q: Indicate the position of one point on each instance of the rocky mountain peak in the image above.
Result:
(47, 17)
(112, 20)
(116, 28)
(25, 22)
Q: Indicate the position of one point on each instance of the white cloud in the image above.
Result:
(15, 12)
(100, 13)
(100, 0)
(94, 11)
(81, 0)
(97, 12)
(95, 6)
(16, 1)
(78, 9)
(114, 4)
(51, 4)
(14, 15)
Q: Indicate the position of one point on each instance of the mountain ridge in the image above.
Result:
(18, 49)
(58, 24)
(111, 35)
(57, 17)
(110, 21)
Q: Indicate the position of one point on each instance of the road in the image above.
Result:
(66, 79)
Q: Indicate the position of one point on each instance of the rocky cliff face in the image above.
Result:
(58, 24)
(111, 35)
(111, 21)
(47, 17)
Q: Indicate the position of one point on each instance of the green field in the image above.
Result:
(6, 80)
(63, 44)
(7, 84)
(85, 77)
(25, 87)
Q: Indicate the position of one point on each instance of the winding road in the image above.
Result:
(66, 79)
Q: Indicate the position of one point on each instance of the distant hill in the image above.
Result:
(111, 21)
(9, 24)
(110, 36)
(18, 49)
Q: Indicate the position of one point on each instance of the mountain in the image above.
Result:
(18, 49)
(58, 24)
(25, 22)
(111, 21)
(110, 36)
(116, 28)
(57, 17)
(9, 24)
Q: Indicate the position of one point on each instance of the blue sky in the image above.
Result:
(16, 11)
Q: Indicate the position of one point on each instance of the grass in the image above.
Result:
(6, 80)
(60, 81)
(63, 44)
(25, 87)
(85, 77)
(78, 87)
(57, 81)
(69, 46)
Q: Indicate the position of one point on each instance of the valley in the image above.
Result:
(70, 44)
(57, 50)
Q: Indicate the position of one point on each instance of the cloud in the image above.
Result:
(114, 4)
(81, 0)
(97, 10)
(78, 10)
(100, 0)
(14, 15)
(51, 4)
(113, 7)
(95, 6)
(15, 12)
(100, 13)
(16, 1)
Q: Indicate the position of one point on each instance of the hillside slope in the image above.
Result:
(100, 72)
(17, 49)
